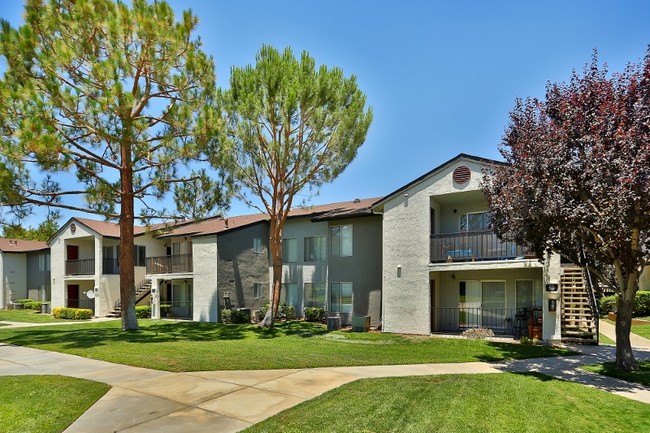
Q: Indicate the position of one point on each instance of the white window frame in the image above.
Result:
(318, 256)
(465, 217)
(257, 246)
(258, 290)
(289, 256)
(340, 303)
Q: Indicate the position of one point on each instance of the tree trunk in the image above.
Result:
(624, 355)
(127, 218)
(275, 243)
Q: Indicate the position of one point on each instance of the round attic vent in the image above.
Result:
(461, 175)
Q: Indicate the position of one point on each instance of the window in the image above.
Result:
(257, 245)
(315, 295)
(44, 262)
(290, 250)
(341, 240)
(289, 294)
(140, 254)
(527, 294)
(258, 289)
(341, 298)
(475, 222)
(315, 249)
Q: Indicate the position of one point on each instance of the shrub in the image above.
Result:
(290, 312)
(315, 314)
(607, 304)
(22, 301)
(165, 310)
(72, 313)
(32, 305)
(642, 303)
(143, 311)
(235, 316)
(478, 333)
(261, 312)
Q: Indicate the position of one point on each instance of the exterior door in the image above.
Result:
(469, 303)
(493, 311)
(72, 252)
(432, 294)
(73, 295)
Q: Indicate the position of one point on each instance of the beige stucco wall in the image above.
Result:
(406, 245)
(206, 299)
(14, 276)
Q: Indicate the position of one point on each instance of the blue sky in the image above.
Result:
(441, 76)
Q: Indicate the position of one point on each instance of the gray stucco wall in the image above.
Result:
(363, 268)
(240, 267)
(37, 278)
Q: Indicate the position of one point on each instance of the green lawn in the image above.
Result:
(462, 403)
(30, 316)
(641, 376)
(642, 330)
(191, 346)
(40, 404)
(604, 339)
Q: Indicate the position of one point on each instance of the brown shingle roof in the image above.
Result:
(107, 229)
(21, 246)
(323, 212)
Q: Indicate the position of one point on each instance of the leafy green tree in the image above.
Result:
(116, 104)
(577, 181)
(43, 232)
(290, 127)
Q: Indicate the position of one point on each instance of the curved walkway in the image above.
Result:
(144, 400)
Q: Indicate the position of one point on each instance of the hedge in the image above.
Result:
(143, 311)
(235, 316)
(72, 313)
(607, 304)
(315, 314)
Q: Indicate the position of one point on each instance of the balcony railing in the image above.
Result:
(111, 266)
(471, 246)
(169, 264)
(80, 267)
(499, 320)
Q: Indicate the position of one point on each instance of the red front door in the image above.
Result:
(72, 252)
(73, 295)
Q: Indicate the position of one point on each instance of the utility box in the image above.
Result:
(333, 323)
(360, 323)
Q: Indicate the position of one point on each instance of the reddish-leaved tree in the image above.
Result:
(577, 180)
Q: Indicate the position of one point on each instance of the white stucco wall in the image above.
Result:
(4, 292)
(406, 250)
(14, 276)
(206, 299)
(552, 326)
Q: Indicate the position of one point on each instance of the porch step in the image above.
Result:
(578, 323)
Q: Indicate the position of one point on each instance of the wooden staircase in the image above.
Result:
(579, 318)
(141, 291)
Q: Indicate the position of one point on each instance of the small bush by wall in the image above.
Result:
(143, 311)
(261, 312)
(607, 304)
(235, 317)
(315, 314)
(32, 305)
(72, 313)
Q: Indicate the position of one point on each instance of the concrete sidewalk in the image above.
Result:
(144, 400)
(610, 331)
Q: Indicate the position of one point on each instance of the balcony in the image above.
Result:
(80, 267)
(473, 246)
(175, 264)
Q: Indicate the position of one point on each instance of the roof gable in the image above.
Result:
(437, 170)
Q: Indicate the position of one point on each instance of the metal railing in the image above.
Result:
(80, 303)
(80, 267)
(470, 246)
(169, 264)
(499, 320)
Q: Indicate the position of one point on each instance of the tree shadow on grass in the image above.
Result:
(87, 336)
(522, 351)
(291, 328)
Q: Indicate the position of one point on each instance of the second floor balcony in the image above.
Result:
(178, 263)
(87, 266)
(473, 246)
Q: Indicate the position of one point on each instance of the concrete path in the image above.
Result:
(610, 331)
(143, 400)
